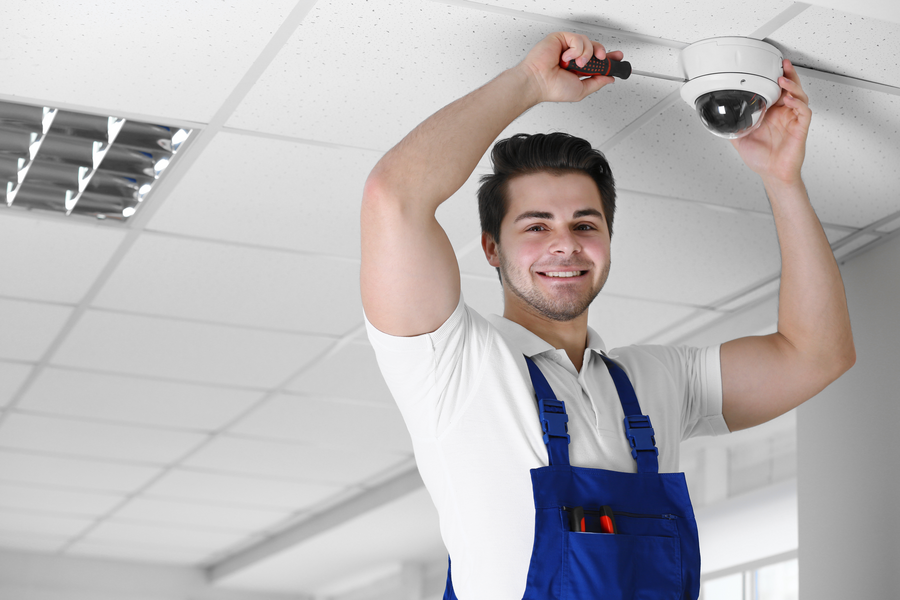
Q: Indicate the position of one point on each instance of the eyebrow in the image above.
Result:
(535, 214)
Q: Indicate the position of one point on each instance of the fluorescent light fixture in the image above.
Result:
(74, 163)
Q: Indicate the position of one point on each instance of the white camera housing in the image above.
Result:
(731, 82)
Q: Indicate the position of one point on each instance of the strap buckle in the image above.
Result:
(553, 419)
(640, 435)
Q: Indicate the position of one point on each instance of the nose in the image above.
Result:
(565, 242)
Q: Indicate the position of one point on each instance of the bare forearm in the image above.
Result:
(439, 155)
(812, 314)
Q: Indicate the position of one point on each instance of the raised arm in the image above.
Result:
(764, 377)
(409, 274)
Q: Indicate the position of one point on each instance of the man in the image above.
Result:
(461, 381)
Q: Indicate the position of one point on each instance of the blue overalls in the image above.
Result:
(654, 553)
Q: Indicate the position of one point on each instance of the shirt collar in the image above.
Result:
(530, 344)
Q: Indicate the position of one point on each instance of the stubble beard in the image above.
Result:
(557, 309)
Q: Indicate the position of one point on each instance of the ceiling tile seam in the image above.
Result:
(122, 462)
(144, 377)
(59, 488)
(262, 62)
(225, 324)
(318, 523)
(283, 137)
(102, 112)
(250, 246)
(101, 421)
(40, 301)
(846, 80)
(869, 229)
(55, 217)
(566, 24)
(118, 255)
(868, 247)
(131, 495)
(645, 118)
(780, 20)
(208, 439)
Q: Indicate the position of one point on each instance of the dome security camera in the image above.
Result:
(731, 82)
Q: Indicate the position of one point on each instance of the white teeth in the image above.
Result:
(564, 274)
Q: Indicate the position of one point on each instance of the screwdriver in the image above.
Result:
(595, 66)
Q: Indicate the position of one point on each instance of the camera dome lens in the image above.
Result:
(731, 113)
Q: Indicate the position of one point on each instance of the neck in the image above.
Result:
(570, 336)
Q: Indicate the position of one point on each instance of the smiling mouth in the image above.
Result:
(562, 274)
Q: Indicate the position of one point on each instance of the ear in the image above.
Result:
(491, 249)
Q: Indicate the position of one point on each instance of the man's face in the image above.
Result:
(554, 254)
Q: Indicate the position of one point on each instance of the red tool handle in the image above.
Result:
(595, 66)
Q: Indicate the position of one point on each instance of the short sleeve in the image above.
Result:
(431, 376)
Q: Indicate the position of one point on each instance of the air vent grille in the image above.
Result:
(81, 164)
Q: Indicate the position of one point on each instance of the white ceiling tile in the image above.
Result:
(484, 294)
(855, 245)
(258, 190)
(890, 226)
(96, 440)
(116, 530)
(135, 400)
(53, 261)
(443, 57)
(682, 329)
(31, 542)
(624, 321)
(12, 376)
(351, 373)
(688, 253)
(840, 42)
(187, 351)
(751, 296)
(458, 215)
(854, 138)
(146, 511)
(673, 155)
(306, 462)
(57, 500)
(404, 530)
(161, 58)
(330, 423)
(682, 21)
(21, 521)
(29, 328)
(73, 472)
(138, 551)
(232, 490)
(222, 283)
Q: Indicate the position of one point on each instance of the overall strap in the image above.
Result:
(638, 428)
(553, 417)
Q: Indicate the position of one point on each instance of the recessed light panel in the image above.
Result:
(81, 164)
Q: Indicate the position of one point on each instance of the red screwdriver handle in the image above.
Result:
(595, 66)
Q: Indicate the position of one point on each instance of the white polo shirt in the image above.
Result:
(467, 399)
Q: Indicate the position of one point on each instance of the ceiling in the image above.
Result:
(195, 387)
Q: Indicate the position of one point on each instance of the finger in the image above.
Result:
(615, 55)
(591, 49)
(577, 46)
(793, 88)
(800, 108)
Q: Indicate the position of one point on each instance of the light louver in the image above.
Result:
(80, 164)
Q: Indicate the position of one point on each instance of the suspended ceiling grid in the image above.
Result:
(188, 386)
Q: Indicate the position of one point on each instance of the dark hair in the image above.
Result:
(524, 154)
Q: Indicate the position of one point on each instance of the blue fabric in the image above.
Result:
(656, 553)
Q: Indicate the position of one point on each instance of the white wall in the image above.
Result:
(849, 449)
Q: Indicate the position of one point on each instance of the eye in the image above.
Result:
(585, 227)
(536, 228)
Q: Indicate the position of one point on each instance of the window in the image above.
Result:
(773, 581)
